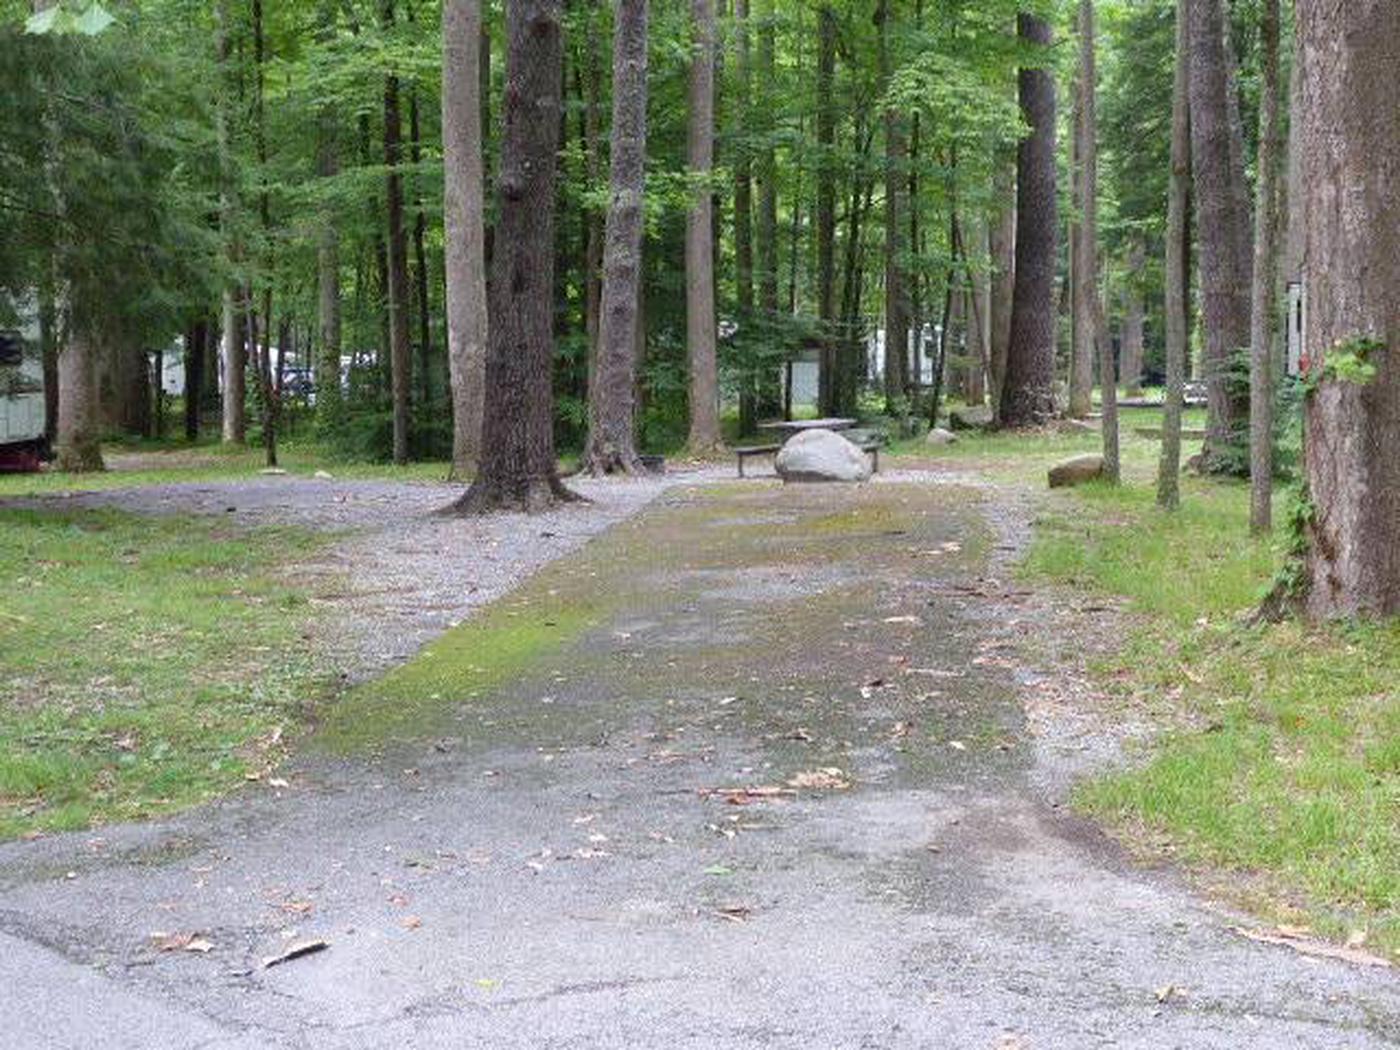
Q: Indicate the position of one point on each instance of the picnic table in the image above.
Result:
(790, 428)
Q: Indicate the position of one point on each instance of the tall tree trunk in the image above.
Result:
(1081, 289)
(896, 301)
(1028, 395)
(196, 340)
(1095, 341)
(979, 345)
(400, 359)
(48, 350)
(464, 225)
(78, 438)
(1223, 228)
(826, 209)
(328, 399)
(420, 260)
(767, 239)
(611, 401)
(1002, 249)
(743, 223)
(234, 362)
(267, 391)
(699, 246)
(1264, 295)
(1178, 266)
(593, 160)
(518, 470)
(1130, 359)
(1351, 184)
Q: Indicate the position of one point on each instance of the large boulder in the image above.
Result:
(1076, 471)
(973, 417)
(822, 455)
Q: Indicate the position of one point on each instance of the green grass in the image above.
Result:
(149, 662)
(1280, 760)
(170, 462)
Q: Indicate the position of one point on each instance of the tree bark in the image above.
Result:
(826, 208)
(1002, 249)
(1095, 340)
(328, 399)
(699, 246)
(517, 464)
(1083, 255)
(1130, 360)
(593, 166)
(611, 393)
(896, 302)
(1223, 223)
(1178, 266)
(1028, 386)
(743, 223)
(1264, 294)
(196, 340)
(421, 281)
(464, 226)
(396, 254)
(234, 362)
(1350, 138)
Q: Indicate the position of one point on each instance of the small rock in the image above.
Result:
(1076, 471)
(939, 436)
(324, 475)
(822, 455)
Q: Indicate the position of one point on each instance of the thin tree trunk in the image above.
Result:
(826, 209)
(1265, 291)
(1223, 227)
(1090, 306)
(420, 260)
(234, 361)
(1028, 385)
(1081, 288)
(981, 327)
(396, 255)
(464, 225)
(1349, 137)
(1002, 250)
(611, 394)
(196, 341)
(896, 301)
(743, 225)
(1178, 266)
(766, 247)
(699, 246)
(1130, 359)
(593, 161)
(328, 399)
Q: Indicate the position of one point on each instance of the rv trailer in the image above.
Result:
(22, 444)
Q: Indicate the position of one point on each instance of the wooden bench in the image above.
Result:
(754, 450)
(745, 452)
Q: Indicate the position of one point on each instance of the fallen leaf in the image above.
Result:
(903, 619)
(1168, 992)
(181, 942)
(410, 922)
(734, 912)
(828, 778)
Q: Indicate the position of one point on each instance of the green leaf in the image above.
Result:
(92, 21)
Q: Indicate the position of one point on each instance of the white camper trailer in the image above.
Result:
(21, 403)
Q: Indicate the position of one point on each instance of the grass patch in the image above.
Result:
(1282, 763)
(166, 463)
(149, 662)
(419, 697)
